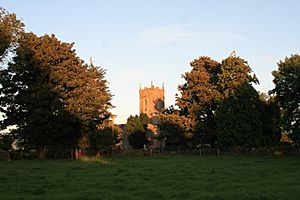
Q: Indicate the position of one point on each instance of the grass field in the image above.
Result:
(157, 177)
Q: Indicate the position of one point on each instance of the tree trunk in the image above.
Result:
(72, 154)
(42, 152)
(76, 154)
(98, 153)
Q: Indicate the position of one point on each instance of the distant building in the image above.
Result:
(152, 100)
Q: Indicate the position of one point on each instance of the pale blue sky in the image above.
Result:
(140, 41)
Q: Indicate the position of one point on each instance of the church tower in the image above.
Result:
(152, 100)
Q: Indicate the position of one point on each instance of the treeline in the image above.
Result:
(218, 107)
(50, 99)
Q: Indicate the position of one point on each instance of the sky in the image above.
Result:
(155, 40)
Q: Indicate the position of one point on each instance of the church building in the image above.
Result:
(152, 100)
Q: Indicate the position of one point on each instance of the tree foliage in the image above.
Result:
(198, 97)
(136, 130)
(287, 91)
(50, 94)
(239, 119)
(234, 73)
(271, 119)
(5, 142)
(199, 89)
(217, 100)
(177, 130)
(238, 115)
(10, 31)
(30, 99)
(103, 139)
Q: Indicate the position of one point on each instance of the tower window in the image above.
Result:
(145, 105)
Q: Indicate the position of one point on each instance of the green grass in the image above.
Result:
(157, 177)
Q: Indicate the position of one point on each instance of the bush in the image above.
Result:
(137, 139)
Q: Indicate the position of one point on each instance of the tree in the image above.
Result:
(287, 91)
(5, 142)
(239, 119)
(102, 139)
(51, 95)
(238, 116)
(30, 99)
(199, 90)
(10, 30)
(198, 97)
(210, 89)
(270, 119)
(133, 124)
(88, 97)
(176, 129)
(136, 130)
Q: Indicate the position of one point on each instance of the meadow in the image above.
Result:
(156, 177)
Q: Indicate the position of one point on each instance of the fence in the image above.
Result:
(67, 154)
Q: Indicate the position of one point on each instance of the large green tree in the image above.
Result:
(238, 116)
(287, 91)
(88, 97)
(31, 101)
(198, 98)
(209, 89)
(51, 95)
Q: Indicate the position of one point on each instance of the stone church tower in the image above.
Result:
(152, 100)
